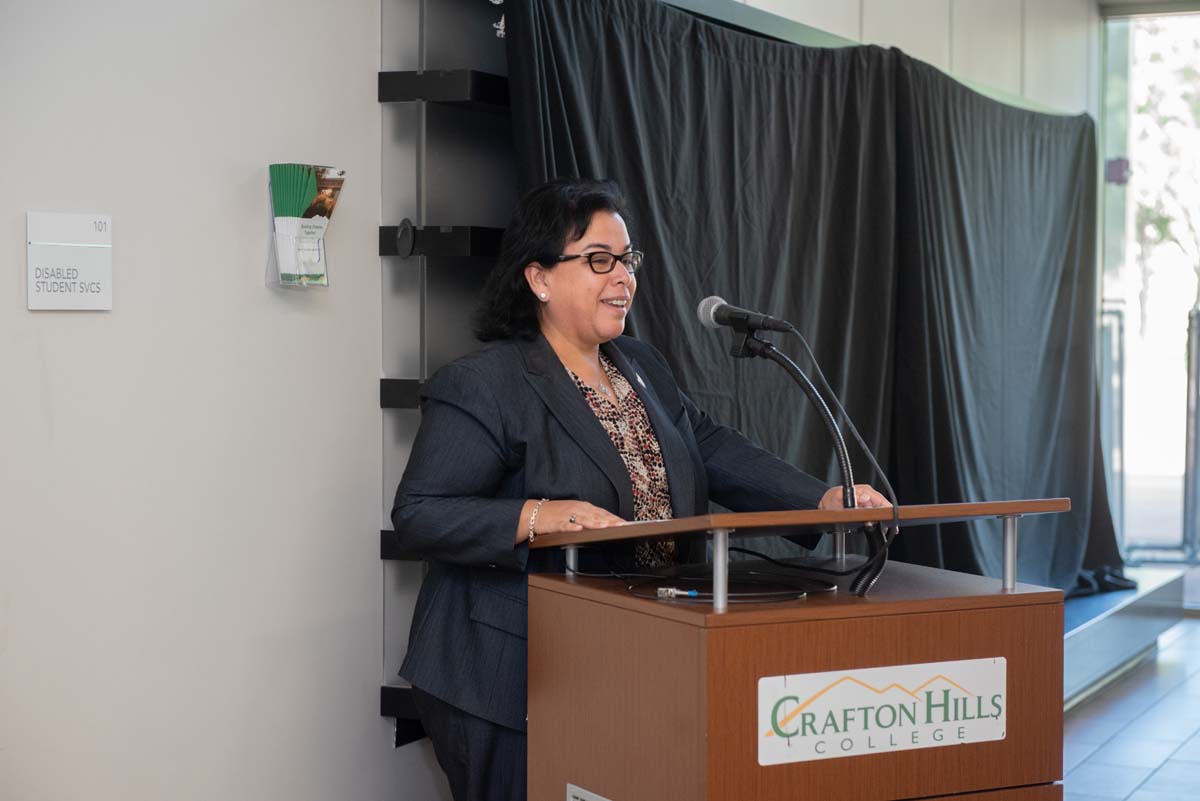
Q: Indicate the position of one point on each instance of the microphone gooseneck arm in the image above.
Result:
(887, 485)
(749, 345)
(714, 312)
(879, 537)
(745, 344)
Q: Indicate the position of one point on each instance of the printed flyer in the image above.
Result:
(303, 197)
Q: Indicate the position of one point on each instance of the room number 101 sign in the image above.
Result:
(70, 261)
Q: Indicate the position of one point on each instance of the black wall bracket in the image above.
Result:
(471, 88)
(407, 239)
(399, 393)
(396, 702)
(391, 550)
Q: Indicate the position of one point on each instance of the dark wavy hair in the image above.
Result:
(545, 221)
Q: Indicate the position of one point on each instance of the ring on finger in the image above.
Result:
(571, 519)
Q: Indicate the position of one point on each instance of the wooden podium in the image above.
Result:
(633, 699)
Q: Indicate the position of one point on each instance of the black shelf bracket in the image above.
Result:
(407, 239)
(399, 393)
(469, 88)
(391, 550)
(396, 702)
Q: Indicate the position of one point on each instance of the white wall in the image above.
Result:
(1046, 51)
(920, 28)
(839, 18)
(190, 589)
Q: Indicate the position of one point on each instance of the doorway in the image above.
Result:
(1150, 303)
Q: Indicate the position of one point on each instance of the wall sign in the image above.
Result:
(70, 261)
(853, 712)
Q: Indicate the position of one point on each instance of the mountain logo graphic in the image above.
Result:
(893, 686)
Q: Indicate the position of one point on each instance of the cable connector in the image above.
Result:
(673, 592)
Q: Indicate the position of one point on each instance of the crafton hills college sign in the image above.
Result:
(852, 712)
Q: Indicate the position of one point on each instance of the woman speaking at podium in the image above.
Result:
(559, 424)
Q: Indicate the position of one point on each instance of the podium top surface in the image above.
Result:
(800, 522)
(902, 589)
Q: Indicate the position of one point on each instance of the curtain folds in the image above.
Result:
(936, 248)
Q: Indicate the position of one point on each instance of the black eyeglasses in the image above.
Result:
(602, 262)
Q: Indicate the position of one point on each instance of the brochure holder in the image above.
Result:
(303, 197)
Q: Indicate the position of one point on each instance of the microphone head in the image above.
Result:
(707, 309)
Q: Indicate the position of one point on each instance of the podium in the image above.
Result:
(936, 685)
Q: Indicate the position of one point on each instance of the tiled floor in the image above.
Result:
(1139, 738)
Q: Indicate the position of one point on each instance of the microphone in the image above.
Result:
(714, 312)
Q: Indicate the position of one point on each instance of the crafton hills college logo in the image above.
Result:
(844, 713)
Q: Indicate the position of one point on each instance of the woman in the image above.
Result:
(560, 424)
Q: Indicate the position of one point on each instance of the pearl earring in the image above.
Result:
(542, 296)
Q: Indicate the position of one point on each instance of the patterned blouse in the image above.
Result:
(625, 421)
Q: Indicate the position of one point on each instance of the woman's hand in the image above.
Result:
(558, 516)
(866, 496)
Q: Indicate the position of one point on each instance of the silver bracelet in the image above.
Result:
(537, 507)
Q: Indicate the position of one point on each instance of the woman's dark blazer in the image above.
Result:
(506, 424)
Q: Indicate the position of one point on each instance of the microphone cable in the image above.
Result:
(877, 545)
(887, 485)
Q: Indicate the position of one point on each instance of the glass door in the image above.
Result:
(1151, 262)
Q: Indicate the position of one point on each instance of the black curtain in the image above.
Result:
(936, 248)
(995, 354)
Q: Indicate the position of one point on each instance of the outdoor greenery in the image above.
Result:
(1164, 142)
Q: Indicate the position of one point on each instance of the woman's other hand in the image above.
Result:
(865, 495)
(558, 516)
